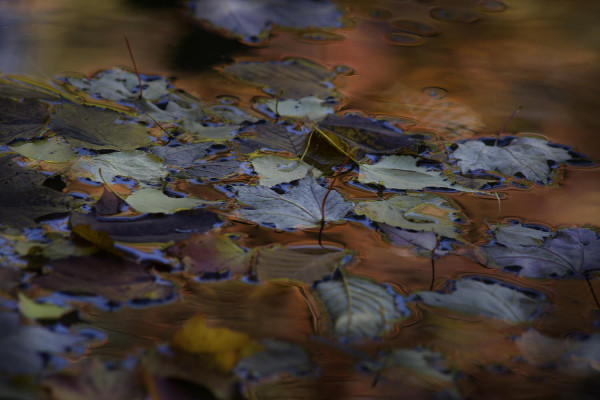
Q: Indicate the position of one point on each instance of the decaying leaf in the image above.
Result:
(493, 299)
(311, 107)
(21, 119)
(358, 307)
(273, 170)
(218, 169)
(274, 137)
(222, 348)
(252, 21)
(415, 211)
(524, 156)
(51, 149)
(148, 200)
(303, 264)
(182, 156)
(275, 358)
(298, 208)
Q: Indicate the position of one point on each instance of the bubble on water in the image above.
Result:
(415, 27)
(376, 13)
(344, 70)
(453, 15)
(435, 92)
(492, 6)
(404, 39)
(227, 99)
(316, 36)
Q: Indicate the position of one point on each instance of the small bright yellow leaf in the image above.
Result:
(33, 310)
(222, 346)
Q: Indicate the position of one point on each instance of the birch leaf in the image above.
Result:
(402, 172)
(274, 169)
(299, 208)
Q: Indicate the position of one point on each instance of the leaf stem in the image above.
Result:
(589, 282)
(514, 114)
(134, 66)
(432, 257)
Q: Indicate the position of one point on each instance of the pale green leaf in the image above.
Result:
(34, 310)
(148, 200)
(51, 149)
(311, 107)
(274, 169)
(137, 164)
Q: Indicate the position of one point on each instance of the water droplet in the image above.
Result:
(344, 70)
(416, 27)
(227, 99)
(435, 92)
(453, 15)
(404, 39)
(313, 36)
(376, 13)
(492, 6)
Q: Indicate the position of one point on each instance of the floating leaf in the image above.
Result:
(97, 128)
(116, 280)
(148, 200)
(299, 208)
(34, 310)
(252, 21)
(294, 77)
(302, 264)
(108, 204)
(416, 211)
(400, 237)
(493, 299)
(519, 235)
(22, 87)
(53, 247)
(274, 137)
(273, 170)
(21, 119)
(182, 156)
(219, 169)
(358, 307)
(275, 358)
(150, 228)
(524, 156)
(138, 165)
(565, 252)
(222, 347)
(203, 131)
(402, 172)
(51, 149)
(311, 107)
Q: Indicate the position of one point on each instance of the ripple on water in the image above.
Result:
(448, 14)
(344, 70)
(318, 36)
(404, 39)
(227, 99)
(492, 6)
(377, 13)
(435, 92)
(415, 27)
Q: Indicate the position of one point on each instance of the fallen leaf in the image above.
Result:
(358, 307)
(21, 119)
(273, 170)
(137, 164)
(275, 358)
(34, 310)
(311, 107)
(401, 237)
(182, 156)
(218, 169)
(108, 204)
(51, 149)
(149, 200)
(274, 137)
(298, 208)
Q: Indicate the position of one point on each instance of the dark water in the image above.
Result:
(454, 68)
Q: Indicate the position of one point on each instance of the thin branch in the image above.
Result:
(589, 282)
(514, 114)
(134, 66)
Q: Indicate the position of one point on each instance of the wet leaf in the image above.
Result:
(252, 21)
(274, 137)
(114, 279)
(358, 307)
(370, 135)
(416, 211)
(402, 172)
(24, 349)
(138, 165)
(295, 78)
(51, 149)
(298, 208)
(571, 251)
(222, 347)
(219, 169)
(148, 200)
(108, 204)
(150, 228)
(21, 119)
(202, 131)
(401, 237)
(182, 156)
(525, 156)
(519, 235)
(97, 128)
(23, 199)
(276, 357)
(34, 310)
(22, 87)
(301, 264)
(10, 278)
(273, 170)
(494, 300)
(311, 107)
(53, 247)
(212, 254)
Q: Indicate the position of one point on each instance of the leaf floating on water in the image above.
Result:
(183, 156)
(416, 211)
(273, 170)
(21, 119)
(301, 264)
(311, 107)
(299, 208)
(494, 300)
(21, 87)
(220, 169)
(294, 77)
(138, 165)
(34, 310)
(358, 307)
(252, 21)
(426, 240)
(221, 348)
(148, 200)
(51, 149)
(571, 251)
(523, 156)
(274, 137)
(97, 128)
(402, 172)
(276, 358)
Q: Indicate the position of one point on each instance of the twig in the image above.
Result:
(437, 243)
(134, 66)
(514, 113)
(589, 282)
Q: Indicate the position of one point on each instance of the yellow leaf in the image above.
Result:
(33, 310)
(223, 347)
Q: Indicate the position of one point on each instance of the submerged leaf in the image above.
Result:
(148, 200)
(21, 119)
(523, 155)
(402, 172)
(273, 170)
(493, 299)
(358, 307)
(416, 211)
(299, 208)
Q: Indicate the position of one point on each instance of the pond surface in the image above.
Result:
(443, 72)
